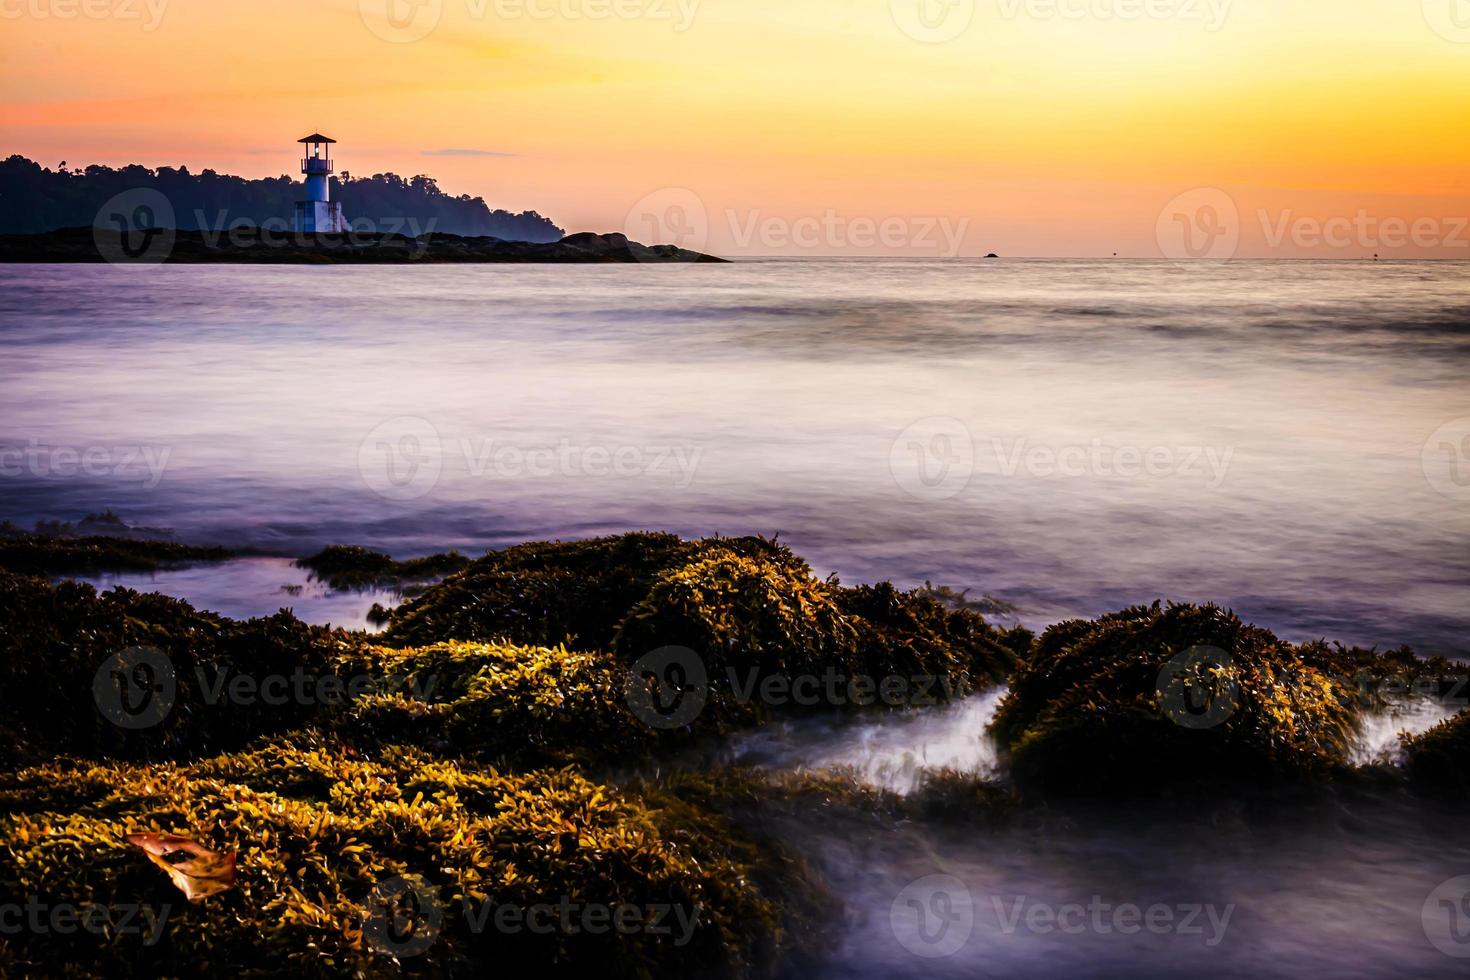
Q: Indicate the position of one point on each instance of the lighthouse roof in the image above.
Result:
(316, 138)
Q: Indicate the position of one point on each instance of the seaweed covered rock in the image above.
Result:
(1154, 700)
(46, 554)
(1439, 760)
(544, 593)
(742, 612)
(350, 567)
(912, 633)
(1383, 678)
(497, 701)
(129, 675)
(403, 862)
(747, 608)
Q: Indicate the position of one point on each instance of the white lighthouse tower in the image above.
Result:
(318, 212)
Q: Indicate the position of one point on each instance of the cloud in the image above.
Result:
(452, 152)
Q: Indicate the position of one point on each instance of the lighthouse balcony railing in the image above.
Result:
(316, 165)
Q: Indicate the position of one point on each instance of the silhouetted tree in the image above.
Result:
(35, 199)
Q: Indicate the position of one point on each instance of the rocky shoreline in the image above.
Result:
(283, 247)
(517, 732)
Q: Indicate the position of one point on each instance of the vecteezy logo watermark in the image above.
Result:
(403, 917)
(932, 21)
(242, 232)
(933, 459)
(138, 687)
(143, 464)
(668, 688)
(401, 21)
(1205, 463)
(669, 216)
(1197, 688)
(149, 11)
(136, 227)
(837, 689)
(1098, 917)
(678, 216)
(1446, 917)
(1211, 13)
(1202, 225)
(1446, 459)
(406, 21)
(135, 689)
(680, 13)
(64, 919)
(401, 459)
(933, 917)
(301, 687)
(569, 917)
(1450, 19)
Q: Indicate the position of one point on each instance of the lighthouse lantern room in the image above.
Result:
(318, 212)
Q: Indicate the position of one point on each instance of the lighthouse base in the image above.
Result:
(320, 216)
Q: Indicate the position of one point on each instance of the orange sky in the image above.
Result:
(1028, 127)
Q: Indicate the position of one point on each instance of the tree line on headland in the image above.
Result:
(35, 199)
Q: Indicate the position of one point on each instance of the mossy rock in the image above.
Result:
(348, 567)
(546, 594)
(913, 634)
(1438, 761)
(40, 554)
(742, 611)
(58, 641)
(1383, 678)
(742, 604)
(497, 701)
(317, 828)
(1142, 702)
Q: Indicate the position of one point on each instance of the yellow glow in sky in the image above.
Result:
(923, 127)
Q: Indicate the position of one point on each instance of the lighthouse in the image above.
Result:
(318, 212)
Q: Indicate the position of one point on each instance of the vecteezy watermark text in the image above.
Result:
(142, 464)
(150, 12)
(934, 916)
(1129, 462)
(407, 21)
(403, 459)
(1098, 917)
(276, 232)
(64, 918)
(1363, 230)
(138, 687)
(1211, 13)
(833, 231)
(670, 687)
(404, 916)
